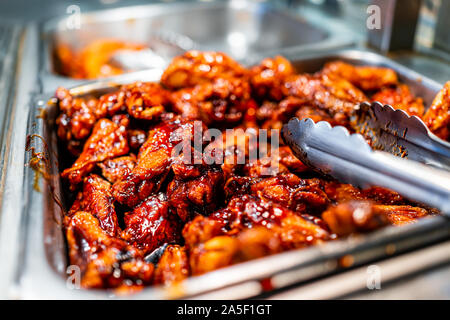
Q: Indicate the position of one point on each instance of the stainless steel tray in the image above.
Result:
(43, 259)
(240, 28)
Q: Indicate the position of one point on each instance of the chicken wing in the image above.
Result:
(96, 198)
(265, 228)
(104, 261)
(195, 67)
(353, 216)
(335, 95)
(201, 228)
(363, 77)
(76, 119)
(115, 169)
(221, 100)
(153, 162)
(173, 266)
(151, 224)
(145, 100)
(437, 117)
(299, 195)
(195, 190)
(268, 78)
(248, 211)
(403, 214)
(108, 140)
(401, 98)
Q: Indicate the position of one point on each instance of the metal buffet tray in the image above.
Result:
(241, 28)
(43, 258)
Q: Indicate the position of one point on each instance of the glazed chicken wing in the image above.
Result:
(400, 98)
(275, 115)
(104, 261)
(145, 100)
(363, 77)
(268, 78)
(383, 195)
(399, 215)
(76, 120)
(195, 67)
(115, 169)
(267, 228)
(335, 95)
(437, 117)
(108, 140)
(353, 216)
(362, 216)
(96, 198)
(153, 162)
(299, 195)
(151, 224)
(195, 190)
(173, 266)
(223, 100)
(248, 211)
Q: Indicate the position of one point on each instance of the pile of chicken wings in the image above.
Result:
(129, 195)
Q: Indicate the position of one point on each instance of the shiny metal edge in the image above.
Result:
(12, 207)
(8, 86)
(354, 282)
(300, 266)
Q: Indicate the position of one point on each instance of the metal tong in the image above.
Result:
(402, 135)
(348, 158)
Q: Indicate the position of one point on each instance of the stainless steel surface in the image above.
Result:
(431, 67)
(347, 157)
(11, 51)
(14, 198)
(442, 36)
(134, 60)
(240, 28)
(397, 24)
(10, 37)
(428, 283)
(354, 283)
(396, 132)
(41, 261)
